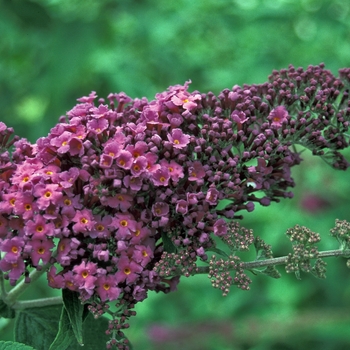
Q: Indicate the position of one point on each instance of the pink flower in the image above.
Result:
(124, 159)
(220, 227)
(55, 281)
(125, 223)
(212, 196)
(278, 116)
(84, 276)
(160, 209)
(132, 182)
(138, 149)
(47, 194)
(128, 270)
(182, 207)
(76, 147)
(16, 269)
(38, 228)
(41, 251)
(178, 138)
(107, 288)
(101, 227)
(196, 171)
(175, 169)
(97, 125)
(25, 206)
(142, 255)
(161, 177)
(84, 221)
(112, 149)
(120, 201)
(139, 166)
(13, 249)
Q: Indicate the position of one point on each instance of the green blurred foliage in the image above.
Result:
(54, 51)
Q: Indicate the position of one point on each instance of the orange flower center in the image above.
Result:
(124, 223)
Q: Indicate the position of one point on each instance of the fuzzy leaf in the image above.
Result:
(74, 309)
(6, 311)
(168, 244)
(270, 271)
(218, 251)
(10, 345)
(38, 326)
(65, 336)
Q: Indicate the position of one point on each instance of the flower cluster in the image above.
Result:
(117, 187)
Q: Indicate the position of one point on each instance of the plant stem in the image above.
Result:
(250, 265)
(15, 292)
(37, 303)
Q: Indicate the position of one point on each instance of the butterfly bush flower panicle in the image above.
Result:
(113, 187)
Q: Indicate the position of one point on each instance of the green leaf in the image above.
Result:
(65, 336)
(38, 326)
(6, 311)
(95, 336)
(10, 345)
(270, 271)
(168, 244)
(218, 251)
(74, 309)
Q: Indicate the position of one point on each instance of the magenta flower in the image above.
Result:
(128, 270)
(178, 138)
(125, 223)
(76, 147)
(175, 170)
(137, 150)
(101, 227)
(161, 177)
(97, 125)
(142, 255)
(278, 116)
(112, 149)
(39, 228)
(107, 288)
(47, 194)
(55, 281)
(182, 207)
(133, 182)
(118, 201)
(69, 177)
(212, 196)
(140, 233)
(124, 159)
(63, 250)
(62, 142)
(25, 206)
(160, 209)
(41, 251)
(196, 171)
(84, 221)
(84, 276)
(106, 161)
(16, 269)
(220, 227)
(139, 166)
(13, 248)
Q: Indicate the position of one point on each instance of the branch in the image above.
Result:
(37, 303)
(250, 265)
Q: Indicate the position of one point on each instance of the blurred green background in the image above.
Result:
(54, 51)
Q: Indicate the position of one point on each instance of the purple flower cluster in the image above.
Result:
(114, 187)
